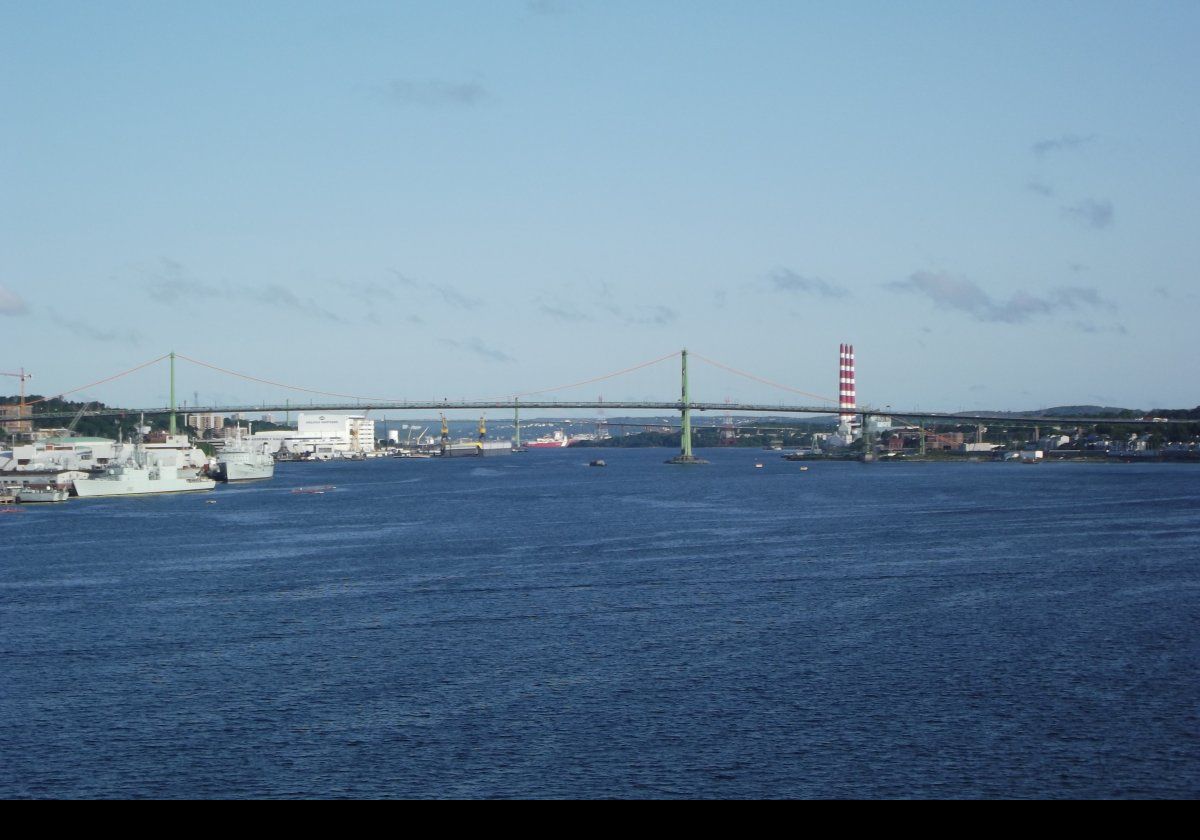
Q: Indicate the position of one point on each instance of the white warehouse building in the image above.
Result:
(354, 429)
(323, 436)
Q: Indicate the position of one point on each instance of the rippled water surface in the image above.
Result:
(530, 626)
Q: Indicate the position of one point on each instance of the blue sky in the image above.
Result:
(995, 203)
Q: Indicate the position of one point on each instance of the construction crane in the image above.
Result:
(482, 433)
(76, 418)
(445, 435)
(22, 375)
(356, 433)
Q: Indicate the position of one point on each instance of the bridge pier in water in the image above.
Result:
(685, 455)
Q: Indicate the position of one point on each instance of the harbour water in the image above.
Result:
(531, 627)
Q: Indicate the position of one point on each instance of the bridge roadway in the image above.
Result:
(491, 405)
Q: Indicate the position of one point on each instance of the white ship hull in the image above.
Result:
(487, 448)
(250, 468)
(59, 454)
(240, 460)
(32, 495)
(140, 481)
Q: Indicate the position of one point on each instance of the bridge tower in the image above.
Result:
(517, 425)
(172, 423)
(601, 420)
(728, 431)
(685, 409)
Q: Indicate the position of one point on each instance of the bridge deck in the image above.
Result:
(493, 405)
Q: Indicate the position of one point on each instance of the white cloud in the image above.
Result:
(964, 295)
(11, 303)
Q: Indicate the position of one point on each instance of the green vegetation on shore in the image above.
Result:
(106, 427)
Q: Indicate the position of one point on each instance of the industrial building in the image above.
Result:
(322, 436)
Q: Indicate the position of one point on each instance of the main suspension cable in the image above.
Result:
(763, 381)
(600, 378)
(281, 384)
(362, 398)
(100, 381)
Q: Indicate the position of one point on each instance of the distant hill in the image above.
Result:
(1099, 411)
(1177, 413)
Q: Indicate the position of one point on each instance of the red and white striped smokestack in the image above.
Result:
(846, 384)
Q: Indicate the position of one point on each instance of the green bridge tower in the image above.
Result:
(685, 455)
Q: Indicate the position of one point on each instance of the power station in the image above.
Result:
(848, 429)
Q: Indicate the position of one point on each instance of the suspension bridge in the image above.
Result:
(329, 401)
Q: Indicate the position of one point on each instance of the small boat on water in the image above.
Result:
(313, 491)
(599, 462)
